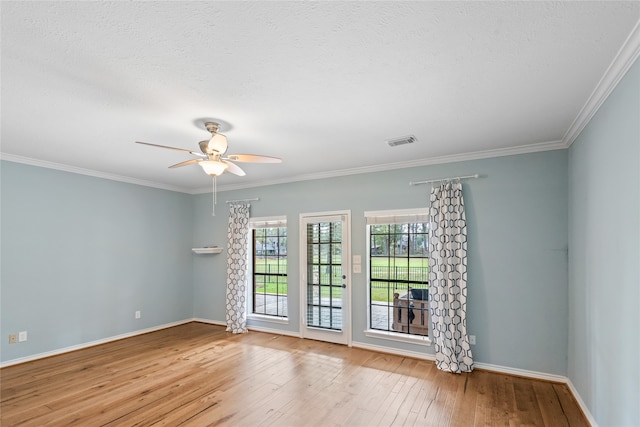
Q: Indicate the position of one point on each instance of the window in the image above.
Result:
(398, 243)
(269, 266)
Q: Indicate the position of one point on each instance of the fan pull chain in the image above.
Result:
(215, 198)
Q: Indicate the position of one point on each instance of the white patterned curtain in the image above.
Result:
(237, 268)
(448, 278)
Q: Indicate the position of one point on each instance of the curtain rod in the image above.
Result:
(243, 200)
(443, 179)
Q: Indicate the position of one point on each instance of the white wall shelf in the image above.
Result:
(214, 250)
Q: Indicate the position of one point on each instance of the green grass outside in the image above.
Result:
(377, 294)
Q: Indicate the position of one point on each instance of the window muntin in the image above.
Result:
(398, 272)
(269, 272)
(324, 275)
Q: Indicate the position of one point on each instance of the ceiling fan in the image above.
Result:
(211, 159)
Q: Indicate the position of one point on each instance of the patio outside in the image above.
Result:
(381, 311)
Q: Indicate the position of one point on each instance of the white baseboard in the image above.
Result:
(211, 322)
(252, 328)
(91, 343)
(583, 406)
(546, 377)
(390, 350)
(521, 372)
(485, 366)
(275, 331)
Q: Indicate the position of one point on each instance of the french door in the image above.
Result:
(325, 295)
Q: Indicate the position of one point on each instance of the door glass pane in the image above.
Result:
(336, 295)
(324, 275)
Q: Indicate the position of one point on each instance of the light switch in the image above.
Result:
(357, 268)
(357, 259)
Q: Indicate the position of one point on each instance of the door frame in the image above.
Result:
(339, 337)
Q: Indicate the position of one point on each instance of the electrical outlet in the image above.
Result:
(13, 338)
(22, 336)
(138, 315)
(472, 339)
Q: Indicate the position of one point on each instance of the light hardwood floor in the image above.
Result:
(198, 375)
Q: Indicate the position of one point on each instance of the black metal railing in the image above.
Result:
(415, 276)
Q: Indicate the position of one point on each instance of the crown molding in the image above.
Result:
(477, 155)
(88, 172)
(621, 63)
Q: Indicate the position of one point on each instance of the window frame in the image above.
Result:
(256, 223)
(385, 217)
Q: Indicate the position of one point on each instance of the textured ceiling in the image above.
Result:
(320, 84)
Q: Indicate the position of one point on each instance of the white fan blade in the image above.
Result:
(185, 163)
(174, 148)
(254, 158)
(218, 143)
(233, 168)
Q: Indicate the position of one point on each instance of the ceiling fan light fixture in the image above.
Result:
(218, 143)
(213, 167)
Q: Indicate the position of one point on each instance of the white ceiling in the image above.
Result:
(320, 84)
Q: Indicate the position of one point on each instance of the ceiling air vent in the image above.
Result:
(401, 141)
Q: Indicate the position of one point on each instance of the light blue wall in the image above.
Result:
(80, 255)
(517, 229)
(604, 258)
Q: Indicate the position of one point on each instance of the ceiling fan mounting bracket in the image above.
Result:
(212, 127)
(202, 123)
